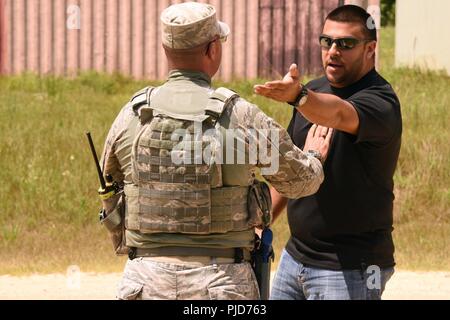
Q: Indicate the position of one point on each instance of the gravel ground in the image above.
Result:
(404, 285)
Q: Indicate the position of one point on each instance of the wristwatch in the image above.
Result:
(315, 154)
(301, 98)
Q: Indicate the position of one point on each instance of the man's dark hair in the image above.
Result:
(356, 14)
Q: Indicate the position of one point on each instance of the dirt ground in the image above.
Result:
(404, 285)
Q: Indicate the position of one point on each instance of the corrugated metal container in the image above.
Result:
(422, 34)
(64, 37)
(2, 37)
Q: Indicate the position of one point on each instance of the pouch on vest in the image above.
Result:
(115, 223)
(259, 204)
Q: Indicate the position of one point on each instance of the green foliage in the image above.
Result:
(48, 199)
(387, 13)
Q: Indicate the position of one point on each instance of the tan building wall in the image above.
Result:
(64, 37)
(422, 34)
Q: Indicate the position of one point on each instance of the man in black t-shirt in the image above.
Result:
(341, 238)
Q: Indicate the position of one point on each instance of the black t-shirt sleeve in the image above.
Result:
(378, 112)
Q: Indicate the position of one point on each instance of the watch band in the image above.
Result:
(315, 154)
(303, 93)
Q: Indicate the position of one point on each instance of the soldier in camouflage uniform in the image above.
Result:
(189, 227)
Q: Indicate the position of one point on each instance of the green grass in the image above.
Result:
(48, 200)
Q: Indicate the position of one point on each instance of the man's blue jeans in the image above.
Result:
(294, 281)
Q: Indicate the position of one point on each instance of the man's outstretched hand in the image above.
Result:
(285, 90)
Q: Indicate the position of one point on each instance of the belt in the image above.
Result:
(238, 254)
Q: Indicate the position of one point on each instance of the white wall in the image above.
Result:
(423, 34)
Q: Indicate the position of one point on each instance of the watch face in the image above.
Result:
(303, 100)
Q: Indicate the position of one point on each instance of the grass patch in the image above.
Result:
(48, 196)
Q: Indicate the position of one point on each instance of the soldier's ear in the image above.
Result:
(213, 48)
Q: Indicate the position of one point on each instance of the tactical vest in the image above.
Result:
(176, 188)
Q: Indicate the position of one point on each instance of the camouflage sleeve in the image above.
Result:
(290, 171)
(109, 161)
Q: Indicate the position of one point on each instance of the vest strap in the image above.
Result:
(218, 102)
(141, 102)
(141, 97)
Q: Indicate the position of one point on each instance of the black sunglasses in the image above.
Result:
(342, 43)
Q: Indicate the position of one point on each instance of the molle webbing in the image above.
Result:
(228, 211)
(165, 212)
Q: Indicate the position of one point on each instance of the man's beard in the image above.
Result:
(348, 77)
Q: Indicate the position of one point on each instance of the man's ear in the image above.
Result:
(372, 47)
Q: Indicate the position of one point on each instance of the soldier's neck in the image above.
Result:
(197, 76)
(193, 65)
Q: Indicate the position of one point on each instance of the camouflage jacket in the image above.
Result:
(298, 175)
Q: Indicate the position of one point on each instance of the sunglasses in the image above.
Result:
(341, 43)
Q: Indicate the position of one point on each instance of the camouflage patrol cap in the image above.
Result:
(190, 24)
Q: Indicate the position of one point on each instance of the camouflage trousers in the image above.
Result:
(154, 279)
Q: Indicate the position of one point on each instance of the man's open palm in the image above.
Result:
(285, 90)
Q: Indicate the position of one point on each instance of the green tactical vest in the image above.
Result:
(173, 189)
